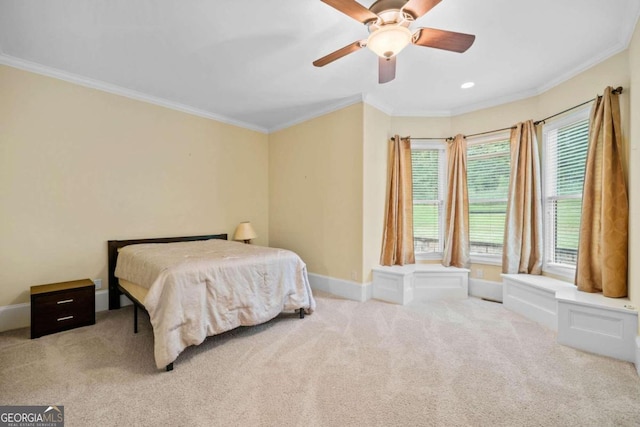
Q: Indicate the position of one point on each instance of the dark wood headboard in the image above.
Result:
(114, 245)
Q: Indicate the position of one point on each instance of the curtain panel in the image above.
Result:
(602, 249)
(456, 244)
(522, 251)
(397, 238)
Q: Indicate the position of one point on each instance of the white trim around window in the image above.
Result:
(550, 194)
(480, 258)
(440, 202)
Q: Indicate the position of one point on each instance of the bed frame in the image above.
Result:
(115, 290)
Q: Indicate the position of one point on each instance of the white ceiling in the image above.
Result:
(248, 62)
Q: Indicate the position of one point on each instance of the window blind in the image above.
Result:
(427, 166)
(488, 171)
(565, 160)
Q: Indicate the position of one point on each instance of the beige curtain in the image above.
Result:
(602, 251)
(397, 240)
(522, 252)
(456, 243)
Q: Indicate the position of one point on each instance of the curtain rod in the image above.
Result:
(616, 91)
(466, 136)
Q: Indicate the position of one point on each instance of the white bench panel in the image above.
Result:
(532, 300)
(597, 324)
(401, 284)
(392, 287)
(587, 321)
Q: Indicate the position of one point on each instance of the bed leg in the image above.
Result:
(302, 313)
(170, 367)
(135, 319)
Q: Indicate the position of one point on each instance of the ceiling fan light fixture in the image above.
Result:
(389, 40)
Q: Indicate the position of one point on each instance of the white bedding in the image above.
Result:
(203, 288)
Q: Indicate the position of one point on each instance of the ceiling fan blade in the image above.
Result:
(350, 48)
(353, 9)
(442, 39)
(417, 8)
(386, 69)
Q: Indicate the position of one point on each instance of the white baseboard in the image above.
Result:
(15, 316)
(19, 315)
(638, 354)
(102, 300)
(343, 288)
(487, 289)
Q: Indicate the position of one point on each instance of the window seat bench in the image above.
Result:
(590, 322)
(400, 284)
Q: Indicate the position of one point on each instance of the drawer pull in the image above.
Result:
(65, 301)
(65, 318)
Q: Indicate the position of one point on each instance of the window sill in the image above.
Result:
(475, 259)
(560, 271)
(429, 256)
(486, 259)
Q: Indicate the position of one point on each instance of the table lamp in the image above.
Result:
(245, 232)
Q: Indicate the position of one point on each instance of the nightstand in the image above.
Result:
(60, 306)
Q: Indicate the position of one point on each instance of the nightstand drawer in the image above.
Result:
(63, 299)
(61, 306)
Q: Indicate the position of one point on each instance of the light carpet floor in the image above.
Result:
(445, 363)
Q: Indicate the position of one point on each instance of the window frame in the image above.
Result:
(477, 258)
(565, 271)
(439, 145)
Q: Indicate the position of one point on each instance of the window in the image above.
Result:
(488, 168)
(429, 185)
(564, 158)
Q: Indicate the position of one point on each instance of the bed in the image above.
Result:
(198, 286)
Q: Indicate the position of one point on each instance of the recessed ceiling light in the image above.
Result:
(467, 85)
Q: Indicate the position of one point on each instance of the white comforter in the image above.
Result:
(203, 288)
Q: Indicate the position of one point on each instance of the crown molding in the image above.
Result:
(117, 90)
(591, 62)
(495, 102)
(372, 101)
(338, 105)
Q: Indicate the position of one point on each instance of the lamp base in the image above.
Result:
(247, 241)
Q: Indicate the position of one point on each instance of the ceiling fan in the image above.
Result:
(388, 22)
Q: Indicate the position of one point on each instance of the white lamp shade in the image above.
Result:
(244, 231)
(389, 40)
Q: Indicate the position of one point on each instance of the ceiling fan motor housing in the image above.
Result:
(382, 5)
(389, 12)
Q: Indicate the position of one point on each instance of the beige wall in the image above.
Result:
(375, 153)
(79, 167)
(634, 172)
(316, 192)
(421, 127)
